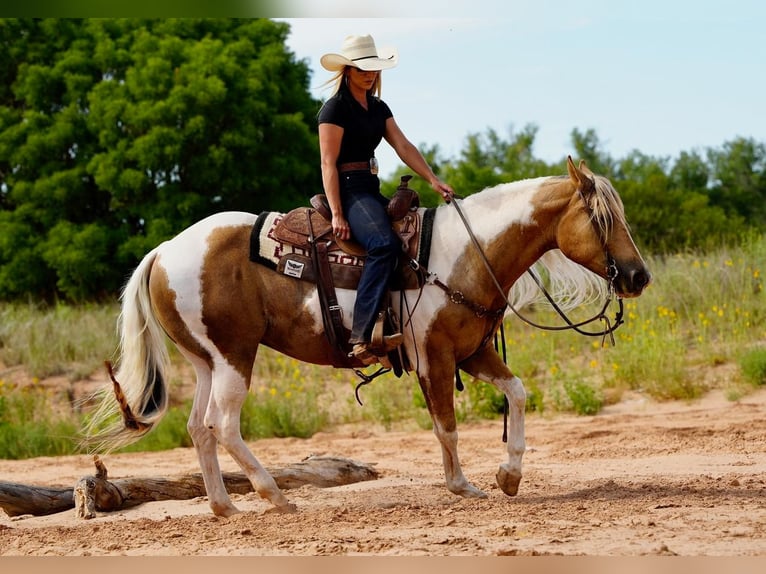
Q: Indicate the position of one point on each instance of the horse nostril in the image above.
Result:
(640, 278)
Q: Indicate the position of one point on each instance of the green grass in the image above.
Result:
(60, 340)
(30, 426)
(702, 312)
(753, 366)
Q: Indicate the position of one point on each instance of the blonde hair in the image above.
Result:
(339, 77)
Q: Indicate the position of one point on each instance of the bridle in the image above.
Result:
(611, 273)
(496, 315)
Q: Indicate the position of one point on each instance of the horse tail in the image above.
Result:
(139, 395)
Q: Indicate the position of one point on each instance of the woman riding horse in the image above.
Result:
(351, 125)
(203, 291)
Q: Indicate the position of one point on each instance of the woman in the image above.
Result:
(352, 123)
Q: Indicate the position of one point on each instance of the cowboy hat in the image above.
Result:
(360, 52)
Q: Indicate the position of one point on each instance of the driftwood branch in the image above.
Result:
(97, 493)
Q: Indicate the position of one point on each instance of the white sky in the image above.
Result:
(657, 76)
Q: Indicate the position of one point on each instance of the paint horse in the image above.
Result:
(201, 290)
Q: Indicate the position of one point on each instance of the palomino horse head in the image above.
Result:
(593, 232)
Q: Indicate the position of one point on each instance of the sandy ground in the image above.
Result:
(639, 479)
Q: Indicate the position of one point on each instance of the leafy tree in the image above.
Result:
(588, 147)
(739, 179)
(668, 208)
(487, 160)
(428, 197)
(690, 172)
(116, 134)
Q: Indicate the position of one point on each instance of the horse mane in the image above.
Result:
(606, 207)
(568, 283)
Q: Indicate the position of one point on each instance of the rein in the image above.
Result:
(601, 315)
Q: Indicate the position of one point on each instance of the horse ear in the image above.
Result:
(584, 168)
(582, 177)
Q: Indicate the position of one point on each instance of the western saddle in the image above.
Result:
(310, 230)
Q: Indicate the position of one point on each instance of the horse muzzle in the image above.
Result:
(632, 282)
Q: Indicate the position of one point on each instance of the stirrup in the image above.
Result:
(370, 353)
(361, 351)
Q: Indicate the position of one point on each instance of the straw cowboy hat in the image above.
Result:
(360, 52)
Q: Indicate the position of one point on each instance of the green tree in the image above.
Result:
(690, 172)
(487, 160)
(668, 208)
(587, 147)
(116, 134)
(427, 196)
(739, 180)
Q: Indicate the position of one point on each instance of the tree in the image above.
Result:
(488, 160)
(588, 147)
(668, 208)
(117, 134)
(739, 179)
(427, 196)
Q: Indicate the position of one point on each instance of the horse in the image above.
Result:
(202, 291)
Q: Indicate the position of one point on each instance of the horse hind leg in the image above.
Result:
(222, 419)
(205, 442)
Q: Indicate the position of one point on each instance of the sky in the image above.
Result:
(660, 77)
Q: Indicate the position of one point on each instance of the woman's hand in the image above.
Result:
(340, 228)
(445, 190)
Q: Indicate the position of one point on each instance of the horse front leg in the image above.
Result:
(486, 365)
(437, 387)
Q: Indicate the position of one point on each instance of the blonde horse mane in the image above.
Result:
(569, 284)
(606, 207)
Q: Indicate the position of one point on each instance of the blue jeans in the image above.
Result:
(365, 211)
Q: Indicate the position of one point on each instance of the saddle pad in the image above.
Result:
(266, 249)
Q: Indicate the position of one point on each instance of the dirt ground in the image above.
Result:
(638, 479)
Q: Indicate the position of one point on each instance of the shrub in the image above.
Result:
(753, 366)
(585, 399)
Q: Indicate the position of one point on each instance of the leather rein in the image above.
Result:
(608, 330)
(611, 273)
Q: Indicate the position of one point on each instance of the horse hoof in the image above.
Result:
(225, 510)
(288, 508)
(469, 491)
(508, 480)
(476, 493)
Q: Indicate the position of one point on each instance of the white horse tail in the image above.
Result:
(140, 396)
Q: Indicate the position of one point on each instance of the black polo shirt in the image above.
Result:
(362, 129)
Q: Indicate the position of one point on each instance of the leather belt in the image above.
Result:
(354, 166)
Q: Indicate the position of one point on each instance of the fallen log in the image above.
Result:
(17, 499)
(96, 493)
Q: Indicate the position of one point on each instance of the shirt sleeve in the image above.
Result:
(333, 112)
(385, 111)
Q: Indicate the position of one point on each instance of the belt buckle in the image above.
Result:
(374, 166)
